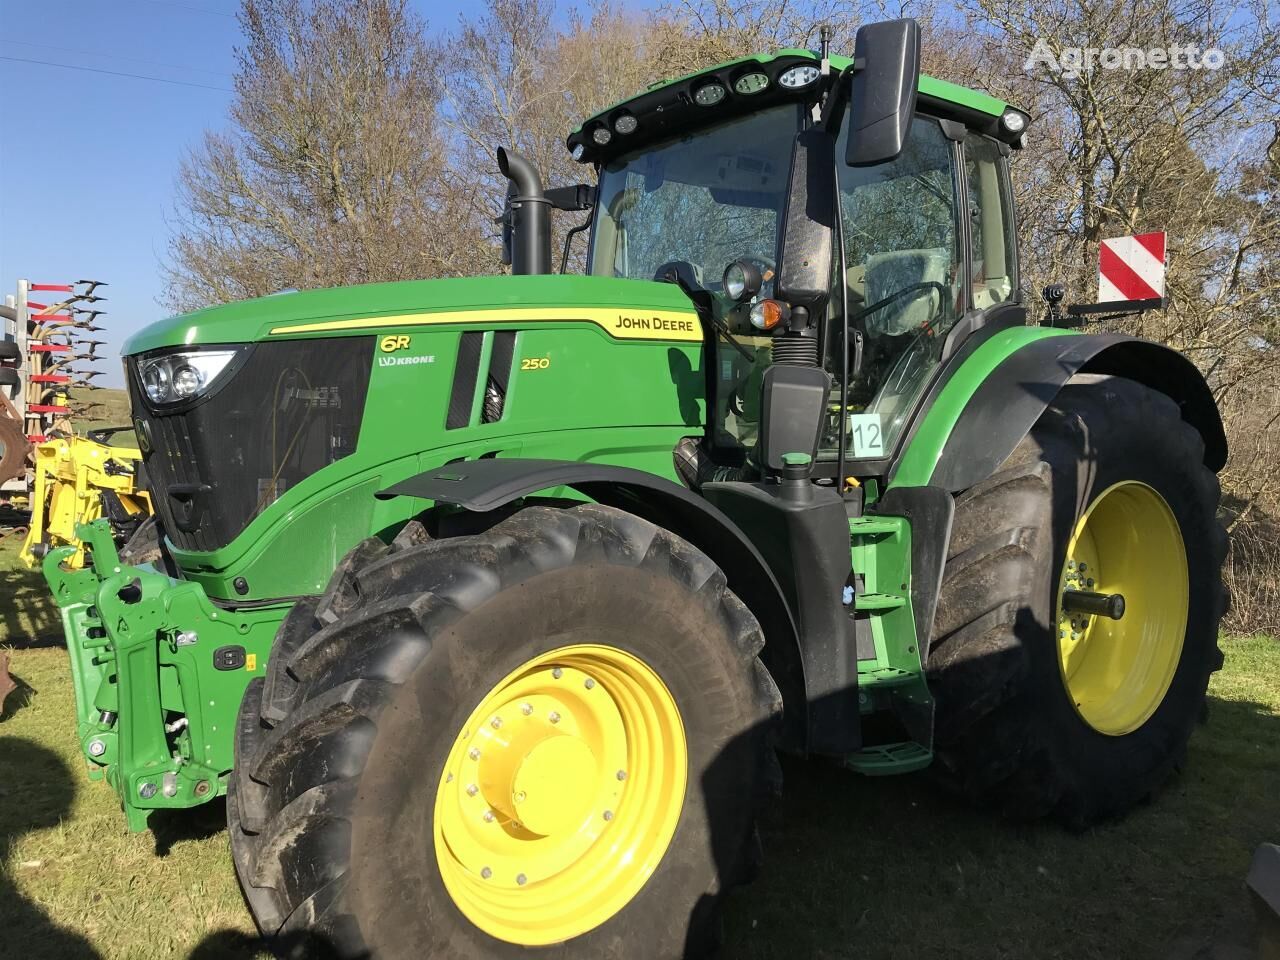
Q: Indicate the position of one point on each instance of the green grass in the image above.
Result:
(855, 867)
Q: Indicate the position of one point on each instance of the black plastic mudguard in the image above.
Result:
(1011, 399)
(484, 485)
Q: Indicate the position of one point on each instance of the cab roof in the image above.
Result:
(668, 107)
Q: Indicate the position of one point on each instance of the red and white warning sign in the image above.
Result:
(1131, 268)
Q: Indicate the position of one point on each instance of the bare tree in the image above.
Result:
(333, 172)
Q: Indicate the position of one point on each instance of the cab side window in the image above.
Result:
(994, 270)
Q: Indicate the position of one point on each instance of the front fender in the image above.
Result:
(483, 485)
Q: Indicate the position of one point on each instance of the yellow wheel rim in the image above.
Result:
(1117, 672)
(560, 795)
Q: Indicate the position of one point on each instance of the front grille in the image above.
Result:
(290, 409)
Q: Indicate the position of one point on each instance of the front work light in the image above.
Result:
(181, 375)
(709, 94)
(601, 135)
(1014, 121)
(750, 83)
(626, 123)
(800, 76)
(741, 280)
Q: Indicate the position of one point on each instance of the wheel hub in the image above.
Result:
(560, 795)
(1122, 607)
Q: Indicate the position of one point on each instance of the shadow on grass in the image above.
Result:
(28, 617)
(44, 777)
(867, 868)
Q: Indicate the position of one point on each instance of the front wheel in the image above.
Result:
(543, 739)
(1047, 703)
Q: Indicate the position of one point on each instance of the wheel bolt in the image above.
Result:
(521, 797)
(521, 879)
(622, 774)
(608, 814)
(1084, 567)
(526, 708)
(474, 753)
(496, 722)
(485, 873)
(588, 683)
(553, 717)
(488, 816)
(472, 790)
(557, 673)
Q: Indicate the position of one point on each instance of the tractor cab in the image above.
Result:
(710, 181)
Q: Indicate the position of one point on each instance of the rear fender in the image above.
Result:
(484, 485)
(1008, 402)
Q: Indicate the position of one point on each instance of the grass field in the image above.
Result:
(855, 867)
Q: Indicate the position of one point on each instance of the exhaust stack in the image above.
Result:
(527, 219)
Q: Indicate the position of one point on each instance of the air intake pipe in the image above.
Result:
(527, 219)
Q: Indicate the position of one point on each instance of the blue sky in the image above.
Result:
(89, 159)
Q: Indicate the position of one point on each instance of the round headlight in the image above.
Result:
(709, 94)
(735, 281)
(186, 381)
(800, 76)
(601, 135)
(626, 123)
(741, 280)
(155, 380)
(750, 83)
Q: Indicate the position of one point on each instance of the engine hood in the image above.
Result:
(250, 321)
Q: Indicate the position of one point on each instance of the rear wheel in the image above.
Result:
(540, 739)
(1043, 708)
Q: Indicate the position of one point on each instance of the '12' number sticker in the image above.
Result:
(865, 435)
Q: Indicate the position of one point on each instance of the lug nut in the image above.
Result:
(472, 790)
(588, 683)
(496, 722)
(557, 673)
(486, 873)
(608, 814)
(488, 816)
(526, 708)
(97, 748)
(521, 879)
(622, 774)
(474, 753)
(553, 717)
(146, 790)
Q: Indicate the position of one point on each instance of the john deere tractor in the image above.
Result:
(487, 603)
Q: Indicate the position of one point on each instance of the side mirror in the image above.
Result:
(882, 98)
(804, 246)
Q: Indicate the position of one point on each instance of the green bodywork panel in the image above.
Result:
(929, 86)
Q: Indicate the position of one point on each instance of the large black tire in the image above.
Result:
(1007, 733)
(339, 751)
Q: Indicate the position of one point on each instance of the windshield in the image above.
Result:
(705, 200)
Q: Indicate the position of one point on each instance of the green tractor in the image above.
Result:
(487, 603)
